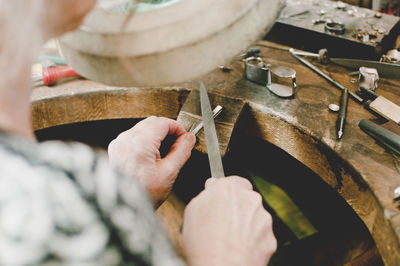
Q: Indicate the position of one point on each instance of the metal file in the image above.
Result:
(210, 133)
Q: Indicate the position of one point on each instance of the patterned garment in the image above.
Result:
(62, 204)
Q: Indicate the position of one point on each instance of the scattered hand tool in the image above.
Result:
(318, 71)
(387, 70)
(385, 137)
(322, 55)
(249, 53)
(52, 75)
(392, 56)
(341, 120)
(210, 133)
(381, 106)
(55, 58)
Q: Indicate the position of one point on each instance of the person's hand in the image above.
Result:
(61, 16)
(226, 224)
(136, 152)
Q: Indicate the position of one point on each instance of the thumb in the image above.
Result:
(210, 182)
(178, 154)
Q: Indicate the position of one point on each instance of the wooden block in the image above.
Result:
(190, 116)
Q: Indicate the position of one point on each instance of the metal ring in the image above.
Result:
(335, 27)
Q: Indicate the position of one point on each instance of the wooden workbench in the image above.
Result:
(360, 170)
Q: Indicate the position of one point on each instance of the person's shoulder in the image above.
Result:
(71, 158)
(69, 154)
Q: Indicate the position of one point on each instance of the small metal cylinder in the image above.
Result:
(256, 70)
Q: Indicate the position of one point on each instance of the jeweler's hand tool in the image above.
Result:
(387, 138)
(322, 55)
(55, 58)
(384, 69)
(381, 106)
(251, 52)
(341, 120)
(52, 75)
(210, 133)
(318, 71)
(217, 110)
(387, 70)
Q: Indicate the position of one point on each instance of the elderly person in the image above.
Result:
(65, 204)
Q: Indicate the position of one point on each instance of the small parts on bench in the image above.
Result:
(335, 27)
(249, 53)
(396, 196)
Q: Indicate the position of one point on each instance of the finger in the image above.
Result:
(157, 128)
(242, 182)
(178, 154)
(236, 180)
(209, 182)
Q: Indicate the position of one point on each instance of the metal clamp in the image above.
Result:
(279, 89)
(256, 70)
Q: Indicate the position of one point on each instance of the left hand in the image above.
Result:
(136, 152)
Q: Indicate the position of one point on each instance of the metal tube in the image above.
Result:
(217, 110)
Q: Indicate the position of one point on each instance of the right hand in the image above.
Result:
(226, 224)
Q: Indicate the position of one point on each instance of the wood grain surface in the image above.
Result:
(359, 169)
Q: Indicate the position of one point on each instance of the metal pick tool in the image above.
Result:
(210, 133)
(325, 76)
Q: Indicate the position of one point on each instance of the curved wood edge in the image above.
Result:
(370, 200)
(378, 214)
(65, 106)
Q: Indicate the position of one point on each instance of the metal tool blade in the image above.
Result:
(210, 133)
(384, 69)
